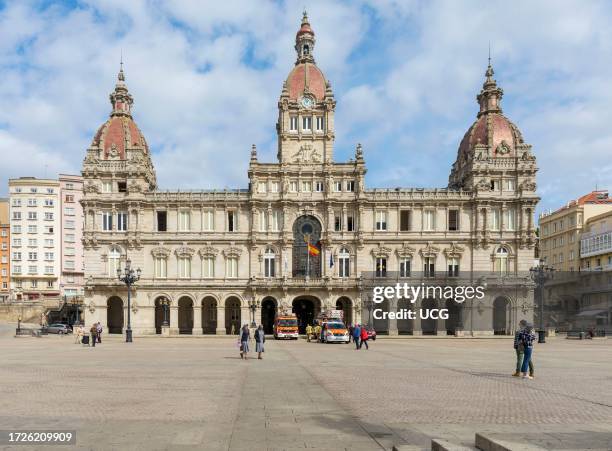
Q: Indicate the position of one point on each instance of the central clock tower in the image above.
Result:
(306, 107)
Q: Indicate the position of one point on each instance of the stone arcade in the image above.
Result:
(213, 259)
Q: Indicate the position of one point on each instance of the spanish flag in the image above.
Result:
(313, 250)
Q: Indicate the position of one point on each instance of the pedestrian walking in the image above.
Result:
(99, 330)
(357, 335)
(351, 329)
(94, 334)
(245, 336)
(520, 352)
(78, 334)
(308, 332)
(364, 337)
(260, 339)
(527, 338)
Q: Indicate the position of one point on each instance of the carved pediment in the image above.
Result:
(405, 251)
(503, 148)
(429, 250)
(160, 252)
(483, 185)
(454, 250)
(184, 252)
(307, 154)
(528, 185)
(381, 251)
(232, 251)
(208, 251)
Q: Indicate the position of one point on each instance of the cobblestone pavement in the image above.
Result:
(195, 393)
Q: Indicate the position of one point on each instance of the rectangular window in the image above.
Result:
(319, 187)
(208, 267)
(16, 269)
(16, 228)
(293, 122)
(381, 220)
(344, 267)
(263, 221)
(338, 186)
(274, 187)
(307, 123)
(16, 202)
(350, 185)
(381, 267)
(32, 229)
(293, 187)
(49, 284)
(16, 242)
(276, 220)
(405, 220)
(69, 198)
(32, 270)
(122, 187)
(350, 224)
(208, 221)
(162, 221)
(337, 222)
(510, 219)
(429, 220)
(32, 242)
(49, 256)
(453, 220)
(33, 216)
(34, 283)
(429, 267)
(107, 186)
(320, 123)
(269, 270)
(68, 211)
(69, 238)
(16, 255)
(48, 269)
(122, 221)
(33, 256)
(307, 186)
(405, 267)
(231, 221)
(70, 251)
(184, 267)
(69, 265)
(510, 185)
(495, 219)
(184, 221)
(231, 269)
(453, 267)
(31, 202)
(49, 216)
(49, 202)
(161, 268)
(69, 224)
(495, 185)
(49, 191)
(16, 216)
(262, 187)
(107, 221)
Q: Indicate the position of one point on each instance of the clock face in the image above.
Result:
(307, 102)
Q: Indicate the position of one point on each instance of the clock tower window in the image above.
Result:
(307, 123)
(320, 123)
(293, 123)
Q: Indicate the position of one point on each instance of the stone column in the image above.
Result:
(197, 320)
(174, 328)
(416, 322)
(393, 322)
(221, 330)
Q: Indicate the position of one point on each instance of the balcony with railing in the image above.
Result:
(592, 244)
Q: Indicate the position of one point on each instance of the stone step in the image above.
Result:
(489, 443)
(438, 444)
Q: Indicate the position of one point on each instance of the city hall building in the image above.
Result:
(307, 234)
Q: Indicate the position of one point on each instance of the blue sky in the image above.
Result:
(206, 77)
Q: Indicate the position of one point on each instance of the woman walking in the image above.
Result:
(94, 335)
(260, 339)
(245, 336)
(364, 337)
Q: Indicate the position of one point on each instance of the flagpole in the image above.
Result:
(307, 257)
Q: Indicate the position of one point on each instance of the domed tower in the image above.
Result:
(118, 157)
(306, 106)
(499, 168)
(493, 145)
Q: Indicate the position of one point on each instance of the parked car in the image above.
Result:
(58, 328)
(371, 332)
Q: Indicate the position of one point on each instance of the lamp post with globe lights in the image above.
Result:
(129, 277)
(540, 274)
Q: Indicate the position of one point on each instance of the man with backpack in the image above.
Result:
(357, 336)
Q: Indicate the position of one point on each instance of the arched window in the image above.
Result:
(306, 49)
(500, 263)
(269, 263)
(344, 265)
(114, 257)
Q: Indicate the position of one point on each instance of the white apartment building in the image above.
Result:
(72, 266)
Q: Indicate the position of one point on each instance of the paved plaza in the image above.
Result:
(195, 393)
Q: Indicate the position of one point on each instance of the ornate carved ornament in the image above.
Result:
(184, 252)
(232, 251)
(160, 252)
(405, 251)
(503, 148)
(91, 188)
(134, 187)
(208, 251)
(381, 251)
(528, 185)
(483, 185)
(454, 250)
(307, 154)
(429, 250)
(91, 307)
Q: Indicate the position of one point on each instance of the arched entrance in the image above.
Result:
(346, 305)
(159, 314)
(307, 229)
(114, 315)
(381, 325)
(209, 315)
(185, 315)
(268, 313)
(306, 308)
(500, 316)
(454, 316)
(429, 326)
(404, 326)
(232, 315)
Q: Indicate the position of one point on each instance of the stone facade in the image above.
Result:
(211, 260)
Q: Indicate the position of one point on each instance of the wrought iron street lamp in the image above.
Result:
(165, 304)
(129, 277)
(540, 274)
(369, 304)
(253, 305)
